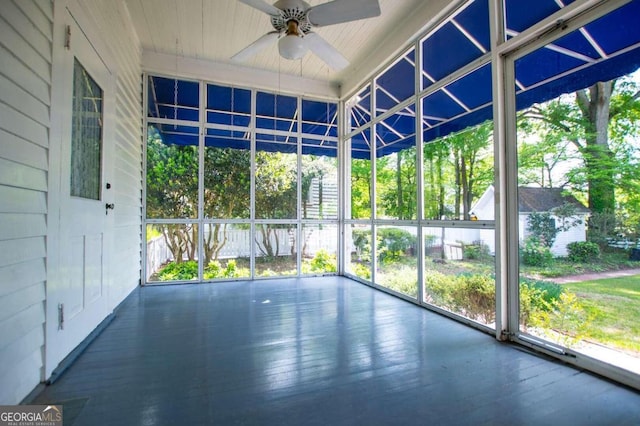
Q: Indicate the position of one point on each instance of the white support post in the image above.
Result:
(496, 25)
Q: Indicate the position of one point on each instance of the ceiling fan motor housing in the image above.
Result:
(291, 10)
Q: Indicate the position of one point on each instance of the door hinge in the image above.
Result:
(67, 37)
(60, 316)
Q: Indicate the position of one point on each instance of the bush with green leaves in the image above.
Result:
(537, 298)
(394, 243)
(583, 251)
(179, 271)
(471, 295)
(534, 253)
(402, 279)
(231, 270)
(477, 250)
(322, 262)
(361, 270)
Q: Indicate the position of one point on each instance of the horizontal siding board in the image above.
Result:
(12, 354)
(26, 29)
(21, 125)
(17, 251)
(24, 376)
(20, 200)
(21, 176)
(23, 101)
(14, 225)
(14, 303)
(47, 8)
(37, 16)
(22, 322)
(19, 275)
(21, 151)
(19, 73)
(28, 55)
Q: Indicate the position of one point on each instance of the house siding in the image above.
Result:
(27, 175)
(26, 31)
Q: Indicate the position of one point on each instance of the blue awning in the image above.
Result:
(600, 51)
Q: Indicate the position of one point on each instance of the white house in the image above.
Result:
(538, 200)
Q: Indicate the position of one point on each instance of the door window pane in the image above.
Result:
(86, 135)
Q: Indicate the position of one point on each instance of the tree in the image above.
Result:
(172, 192)
(227, 184)
(473, 165)
(276, 179)
(597, 120)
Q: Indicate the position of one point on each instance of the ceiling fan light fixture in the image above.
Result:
(292, 46)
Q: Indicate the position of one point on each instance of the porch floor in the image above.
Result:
(316, 351)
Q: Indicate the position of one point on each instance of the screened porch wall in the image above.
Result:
(258, 174)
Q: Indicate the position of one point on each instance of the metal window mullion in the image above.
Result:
(565, 20)
(501, 236)
(200, 222)
(252, 216)
(145, 106)
(344, 203)
(372, 201)
(299, 187)
(419, 168)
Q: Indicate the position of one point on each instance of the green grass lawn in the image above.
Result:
(614, 308)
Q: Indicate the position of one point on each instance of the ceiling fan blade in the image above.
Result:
(325, 51)
(339, 11)
(256, 46)
(262, 6)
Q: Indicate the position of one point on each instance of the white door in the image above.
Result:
(77, 301)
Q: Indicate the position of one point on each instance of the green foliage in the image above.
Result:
(569, 319)
(179, 271)
(393, 243)
(583, 251)
(322, 262)
(536, 301)
(361, 270)
(360, 188)
(542, 227)
(362, 243)
(477, 250)
(534, 253)
(470, 295)
(402, 279)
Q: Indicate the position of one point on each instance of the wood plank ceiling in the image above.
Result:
(214, 30)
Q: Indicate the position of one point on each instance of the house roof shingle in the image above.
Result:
(546, 199)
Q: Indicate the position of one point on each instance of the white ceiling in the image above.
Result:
(214, 30)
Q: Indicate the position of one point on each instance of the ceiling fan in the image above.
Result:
(293, 20)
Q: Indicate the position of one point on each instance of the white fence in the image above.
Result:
(238, 244)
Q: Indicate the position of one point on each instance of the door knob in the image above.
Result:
(110, 206)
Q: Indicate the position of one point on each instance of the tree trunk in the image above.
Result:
(399, 194)
(598, 157)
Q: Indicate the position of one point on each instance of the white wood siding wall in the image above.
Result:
(26, 33)
(25, 76)
(112, 22)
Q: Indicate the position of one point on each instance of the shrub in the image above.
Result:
(475, 297)
(537, 299)
(477, 250)
(583, 251)
(470, 295)
(534, 253)
(179, 271)
(403, 280)
(361, 270)
(323, 261)
(393, 243)
(215, 270)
